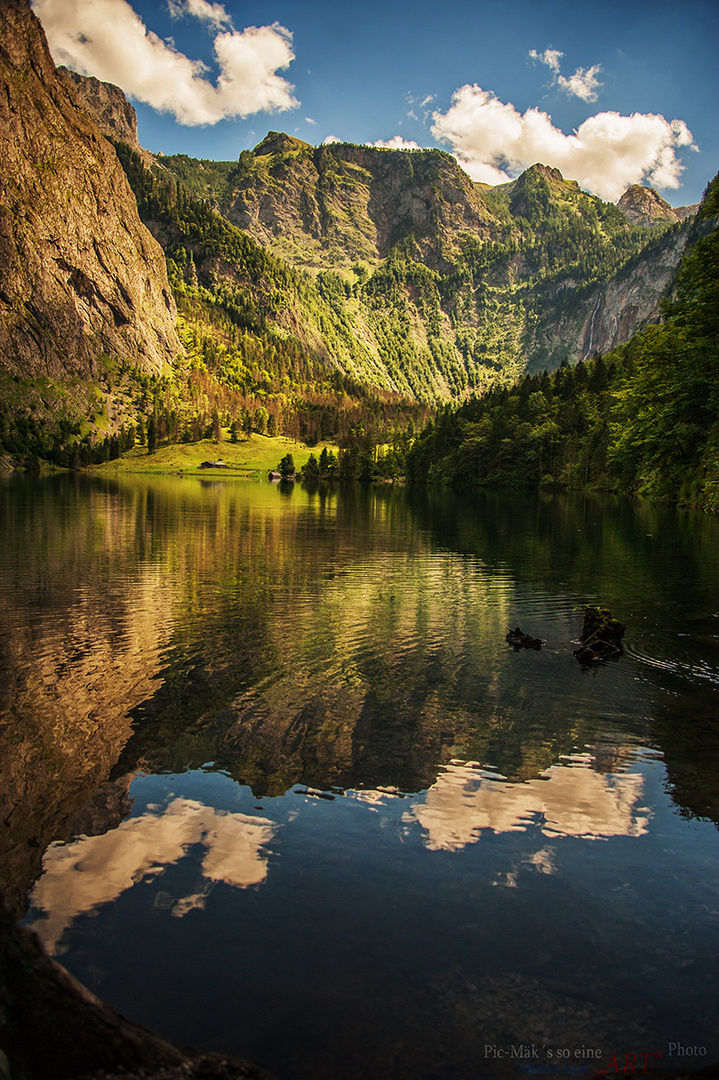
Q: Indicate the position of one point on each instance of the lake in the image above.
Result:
(274, 783)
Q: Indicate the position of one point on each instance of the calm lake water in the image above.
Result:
(274, 784)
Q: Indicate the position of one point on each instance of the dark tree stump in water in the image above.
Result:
(601, 637)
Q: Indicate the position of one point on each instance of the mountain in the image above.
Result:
(644, 206)
(83, 284)
(330, 206)
(309, 290)
(483, 283)
(642, 419)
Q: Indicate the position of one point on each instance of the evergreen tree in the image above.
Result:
(286, 467)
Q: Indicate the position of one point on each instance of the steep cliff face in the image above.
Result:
(332, 205)
(111, 110)
(80, 276)
(631, 299)
(608, 315)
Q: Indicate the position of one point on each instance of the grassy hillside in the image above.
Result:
(251, 458)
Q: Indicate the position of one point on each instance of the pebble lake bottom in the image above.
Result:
(325, 818)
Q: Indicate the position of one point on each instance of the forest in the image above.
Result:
(413, 370)
(643, 419)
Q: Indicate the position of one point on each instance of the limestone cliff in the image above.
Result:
(80, 276)
(608, 315)
(111, 110)
(644, 206)
(333, 205)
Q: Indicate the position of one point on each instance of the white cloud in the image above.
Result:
(396, 143)
(607, 153)
(330, 139)
(81, 876)
(550, 57)
(214, 14)
(106, 38)
(582, 84)
(566, 800)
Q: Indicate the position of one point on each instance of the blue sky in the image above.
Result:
(611, 93)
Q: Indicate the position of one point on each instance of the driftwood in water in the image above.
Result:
(601, 637)
(522, 641)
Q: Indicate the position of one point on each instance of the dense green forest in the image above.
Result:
(369, 355)
(445, 308)
(644, 418)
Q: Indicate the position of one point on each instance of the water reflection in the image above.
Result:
(81, 876)
(568, 799)
(353, 638)
(355, 643)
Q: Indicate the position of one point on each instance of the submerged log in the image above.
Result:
(601, 637)
(521, 640)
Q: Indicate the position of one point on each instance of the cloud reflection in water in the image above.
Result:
(566, 800)
(81, 876)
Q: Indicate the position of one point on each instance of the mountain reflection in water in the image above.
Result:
(296, 799)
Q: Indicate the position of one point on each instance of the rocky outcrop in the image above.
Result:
(631, 299)
(108, 105)
(611, 313)
(333, 205)
(53, 1028)
(81, 278)
(644, 206)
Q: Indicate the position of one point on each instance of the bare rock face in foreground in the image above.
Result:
(53, 1028)
(80, 276)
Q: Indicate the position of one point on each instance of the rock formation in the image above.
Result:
(81, 279)
(613, 311)
(335, 204)
(644, 206)
(107, 104)
(53, 1028)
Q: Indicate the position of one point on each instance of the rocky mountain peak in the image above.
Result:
(547, 171)
(276, 142)
(332, 205)
(644, 206)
